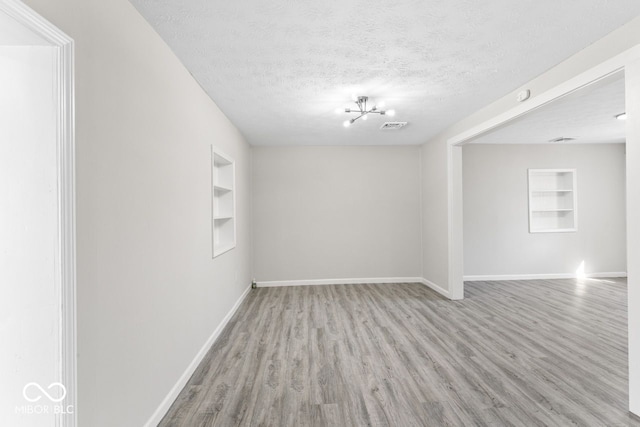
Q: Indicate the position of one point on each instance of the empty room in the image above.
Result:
(308, 214)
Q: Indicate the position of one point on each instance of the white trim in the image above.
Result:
(162, 410)
(66, 280)
(455, 232)
(421, 213)
(317, 282)
(632, 101)
(436, 288)
(498, 277)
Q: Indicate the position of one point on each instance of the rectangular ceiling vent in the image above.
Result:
(562, 139)
(393, 125)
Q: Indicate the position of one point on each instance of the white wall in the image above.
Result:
(29, 317)
(434, 214)
(336, 212)
(496, 227)
(149, 292)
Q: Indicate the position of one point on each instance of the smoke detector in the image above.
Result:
(562, 139)
(393, 125)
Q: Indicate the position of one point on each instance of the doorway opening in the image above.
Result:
(37, 221)
(629, 62)
(544, 195)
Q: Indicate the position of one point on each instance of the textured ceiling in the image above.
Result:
(588, 115)
(279, 68)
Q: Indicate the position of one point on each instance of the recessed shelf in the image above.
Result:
(552, 200)
(223, 202)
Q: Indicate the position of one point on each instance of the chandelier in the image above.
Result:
(363, 110)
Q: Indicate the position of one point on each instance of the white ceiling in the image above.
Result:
(279, 68)
(588, 115)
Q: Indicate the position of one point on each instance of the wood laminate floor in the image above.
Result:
(522, 353)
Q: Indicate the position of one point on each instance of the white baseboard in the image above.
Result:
(184, 378)
(484, 278)
(438, 289)
(314, 282)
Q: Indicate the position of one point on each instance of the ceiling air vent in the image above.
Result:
(393, 125)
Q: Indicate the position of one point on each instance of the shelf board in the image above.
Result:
(552, 191)
(221, 188)
(222, 217)
(551, 210)
(222, 248)
(553, 230)
(220, 160)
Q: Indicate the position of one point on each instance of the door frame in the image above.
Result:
(65, 282)
(628, 61)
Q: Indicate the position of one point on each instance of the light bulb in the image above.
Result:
(391, 113)
(380, 105)
(346, 123)
(339, 110)
(365, 117)
(622, 116)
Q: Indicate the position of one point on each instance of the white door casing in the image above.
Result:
(38, 216)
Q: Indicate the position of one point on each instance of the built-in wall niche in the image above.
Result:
(224, 202)
(553, 206)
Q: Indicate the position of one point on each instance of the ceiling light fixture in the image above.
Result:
(622, 116)
(363, 110)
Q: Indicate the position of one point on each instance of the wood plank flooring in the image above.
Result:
(513, 353)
